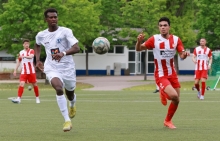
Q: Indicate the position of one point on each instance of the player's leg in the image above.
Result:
(197, 80)
(56, 81)
(171, 88)
(70, 85)
(23, 79)
(162, 83)
(72, 102)
(203, 79)
(32, 79)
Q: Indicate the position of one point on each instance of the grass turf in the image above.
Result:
(108, 116)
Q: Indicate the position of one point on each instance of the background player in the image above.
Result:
(202, 57)
(164, 47)
(26, 58)
(59, 66)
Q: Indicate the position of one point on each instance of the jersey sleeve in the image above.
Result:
(31, 51)
(149, 44)
(19, 58)
(37, 38)
(179, 47)
(70, 38)
(210, 53)
(194, 52)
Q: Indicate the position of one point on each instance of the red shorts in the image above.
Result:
(31, 78)
(162, 82)
(201, 74)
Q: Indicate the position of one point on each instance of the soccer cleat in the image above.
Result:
(156, 91)
(67, 126)
(72, 112)
(169, 124)
(198, 95)
(37, 100)
(201, 97)
(163, 98)
(16, 100)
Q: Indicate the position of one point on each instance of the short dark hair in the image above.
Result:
(164, 19)
(49, 10)
(26, 40)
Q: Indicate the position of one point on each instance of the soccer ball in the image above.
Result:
(29, 88)
(101, 45)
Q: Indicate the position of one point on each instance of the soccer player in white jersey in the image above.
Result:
(164, 47)
(26, 58)
(59, 67)
(202, 57)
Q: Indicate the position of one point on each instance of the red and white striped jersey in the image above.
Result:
(164, 51)
(202, 57)
(27, 64)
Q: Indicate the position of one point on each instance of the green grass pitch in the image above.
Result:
(109, 116)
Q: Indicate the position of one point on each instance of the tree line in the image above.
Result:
(120, 19)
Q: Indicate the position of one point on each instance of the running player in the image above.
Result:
(59, 67)
(164, 47)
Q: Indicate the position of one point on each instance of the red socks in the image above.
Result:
(203, 88)
(20, 91)
(171, 111)
(197, 87)
(36, 91)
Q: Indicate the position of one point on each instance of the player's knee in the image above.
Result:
(59, 90)
(175, 98)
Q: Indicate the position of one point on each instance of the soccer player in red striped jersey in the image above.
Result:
(25, 59)
(164, 46)
(202, 57)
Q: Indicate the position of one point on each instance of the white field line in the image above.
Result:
(120, 101)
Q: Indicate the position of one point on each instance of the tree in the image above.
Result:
(208, 22)
(143, 15)
(24, 19)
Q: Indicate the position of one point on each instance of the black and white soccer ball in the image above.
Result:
(29, 88)
(101, 45)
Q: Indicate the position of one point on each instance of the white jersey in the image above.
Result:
(54, 42)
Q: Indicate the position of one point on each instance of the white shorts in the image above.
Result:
(68, 78)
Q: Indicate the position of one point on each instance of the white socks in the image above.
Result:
(72, 103)
(62, 103)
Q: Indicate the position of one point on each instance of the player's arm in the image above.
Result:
(139, 45)
(17, 65)
(74, 46)
(210, 61)
(194, 58)
(182, 53)
(74, 49)
(149, 44)
(37, 51)
(30, 56)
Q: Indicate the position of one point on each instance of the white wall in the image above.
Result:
(100, 62)
(186, 64)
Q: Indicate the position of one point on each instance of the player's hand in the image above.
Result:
(14, 73)
(57, 56)
(140, 37)
(195, 62)
(185, 54)
(40, 66)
